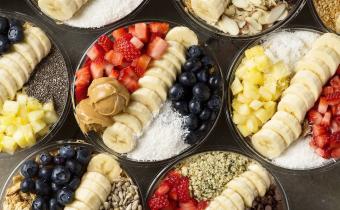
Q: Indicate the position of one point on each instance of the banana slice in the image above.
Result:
(165, 65)
(174, 60)
(3, 93)
(78, 205)
(88, 197)
(70, 208)
(214, 206)
(316, 66)
(178, 50)
(327, 55)
(140, 111)
(268, 143)
(14, 70)
(36, 45)
(94, 187)
(99, 179)
(250, 185)
(310, 80)
(328, 40)
(289, 120)
(21, 61)
(225, 202)
(58, 9)
(155, 84)
(106, 165)
(235, 198)
(282, 129)
(293, 104)
(130, 121)
(261, 172)
(243, 189)
(183, 35)
(79, 3)
(303, 92)
(209, 10)
(7, 81)
(149, 98)
(257, 181)
(161, 74)
(27, 52)
(41, 35)
(119, 138)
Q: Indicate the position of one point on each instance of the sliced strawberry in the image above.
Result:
(157, 48)
(83, 76)
(335, 153)
(334, 140)
(134, 62)
(87, 62)
(323, 153)
(153, 36)
(333, 99)
(115, 58)
(158, 202)
(326, 120)
(157, 27)
(182, 190)
(95, 52)
(114, 74)
(312, 144)
(314, 117)
(108, 68)
(335, 82)
(202, 205)
(80, 93)
(97, 68)
(118, 33)
(129, 79)
(127, 72)
(173, 178)
(328, 90)
(142, 31)
(335, 126)
(124, 46)
(321, 141)
(188, 205)
(173, 194)
(163, 188)
(319, 130)
(323, 105)
(105, 42)
(142, 64)
(137, 42)
(132, 30)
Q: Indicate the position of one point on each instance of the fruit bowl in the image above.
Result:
(245, 142)
(92, 173)
(183, 169)
(39, 81)
(196, 139)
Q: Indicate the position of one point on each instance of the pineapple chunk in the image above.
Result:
(44, 131)
(244, 109)
(9, 145)
(10, 108)
(38, 125)
(241, 98)
(19, 138)
(239, 119)
(22, 99)
(1, 138)
(253, 124)
(270, 106)
(280, 71)
(33, 104)
(244, 130)
(263, 115)
(265, 94)
(48, 107)
(241, 71)
(10, 130)
(263, 63)
(254, 51)
(236, 86)
(250, 91)
(29, 135)
(254, 77)
(50, 117)
(35, 115)
(255, 104)
(235, 104)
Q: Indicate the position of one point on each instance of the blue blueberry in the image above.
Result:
(201, 91)
(205, 114)
(192, 122)
(45, 158)
(54, 205)
(176, 92)
(74, 166)
(29, 169)
(187, 79)
(202, 76)
(61, 175)
(65, 196)
(55, 187)
(74, 183)
(58, 160)
(181, 107)
(27, 185)
(215, 81)
(4, 43)
(4, 25)
(189, 64)
(207, 61)
(42, 187)
(195, 106)
(15, 33)
(214, 103)
(83, 155)
(194, 51)
(67, 152)
(45, 173)
(39, 204)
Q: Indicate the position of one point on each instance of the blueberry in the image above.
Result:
(45, 173)
(202, 76)
(67, 152)
(205, 114)
(39, 204)
(61, 175)
(15, 33)
(195, 106)
(176, 92)
(194, 51)
(83, 155)
(189, 64)
(74, 166)
(4, 43)
(197, 66)
(207, 61)
(42, 187)
(53, 204)
(27, 185)
(74, 183)
(181, 107)
(4, 25)
(45, 158)
(192, 122)
(65, 196)
(14, 22)
(215, 81)
(29, 169)
(201, 91)
(187, 79)
(55, 187)
(58, 160)
(191, 139)
(214, 103)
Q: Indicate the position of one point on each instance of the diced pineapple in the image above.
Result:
(253, 124)
(29, 135)
(242, 99)
(241, 71)
(254, 77)
(7, 120)
(251, 65)
(10, 130)
(255, 104)
(263, 115)
(239, 119)
(265, 94)
(22, 99)
(38, 125)
(270, 85)
(48, 107)
(33, 104)
(250, 91)
(280, 70)
(44, 131)
(236, 86)
(243, 130)
(263, 63)
(2, 128)
(10, 108)
(19, 138)
(35, 115)
(270, 106)
(235, 104)
(254, 51)
(9, 145)
(243, 109)
(50, 117)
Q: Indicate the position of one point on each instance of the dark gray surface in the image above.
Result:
(309, 191)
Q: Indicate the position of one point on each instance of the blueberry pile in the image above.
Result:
(196, 93)
(54, 178)
(11, 31)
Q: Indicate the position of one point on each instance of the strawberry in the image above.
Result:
(97, 68)
(142, 32)
(202, 205)
(83, 76)
(127, 72)
(137, 42)
(108, 68)
(314, 117)
(132, 30)
(183, 190)
(114, 74)
(323, 105)
(142, 64)
(328, 90)
(118, 33)
(173, 194)
(333, 99)
(80, 93)
(105, 42)
(335, 126)
(319, 130)
(173, 178)
(87, 62)
(153, 36)
(335, 81)
(323, 153)
(334, 141)
(321, 141)
(326, 120)
(157, 48)
(95, 52)
(161, 28)
(158, 202)
(335, 153)
(129, 79)
(188, 205)
(124, 46)
(163, 188)
(116, 58)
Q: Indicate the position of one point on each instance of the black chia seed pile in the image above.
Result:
(50, 81)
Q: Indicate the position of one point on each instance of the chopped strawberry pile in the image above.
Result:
(125, 57)
(173, 194)
(325, 120)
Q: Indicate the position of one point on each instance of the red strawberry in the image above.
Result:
(323, 105)
(188, 205)
(335, 153)
(335, 82)
(153, 36)
(116, 58)
(95, 52)
(137, 42)
(163, 188)
(173, 194)
(319, 130)
(142, 32)
(161, 28)
(108, 68)
(323, 153)
(157, 48)
(105, 42)
(118, 33)
(321, 141)
(314, 117)
(334, 140)
(158, 202)
(202, 205)
(80, 93)
(114, 74)
(129, 79)
(326, 120)
(183, 190)
(335, 126)
(173, 178)
(124, 46)
(83, 76)
(87, 62)
(328, 90)
(97, 68)
(132, 30)
(142, 64)
(128, 72)
(313, 144)
(333, 99)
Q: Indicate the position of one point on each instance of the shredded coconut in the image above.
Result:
(163, 139)
(98, 13)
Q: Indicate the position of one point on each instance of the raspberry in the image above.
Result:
(158, 202)
(173, 178)
(182, 189)
(124, 46)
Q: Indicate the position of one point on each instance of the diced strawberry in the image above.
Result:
(97, 68)
(87, 62)
(202, 205)
(129, 79)
(127, 72)
(173, 194)
(114, 74)
(173, 178)
(124, 46)
(118, 33)
(335, 126)
(158, 202)
(328, 90)
(323, 153)
(333, 99)
(80, 93)
(188, 205)
(108, 68)
(157, 48)
(321, 141)
(323, 105)
(326, 120)
(163, 188)
(157, 27)
(142, 64)
(319, 130)
(132, 30)
(153, 36)
(313, 144)
(335, 82)
(172, 206)
(105, 42)
(334, 140)
(142, 31)
(137, 42)
(183, 190)
(314, 117)
(83, 76)
(335, 153)
(134, 62)
(95, 52)
(115, 58)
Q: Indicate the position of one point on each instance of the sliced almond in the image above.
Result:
(230, 11)
(228, 25)
(241, 3)
(337, 24)
(275, 13)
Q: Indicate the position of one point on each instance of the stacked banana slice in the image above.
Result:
(148, 99)
(95, 184)
(60, 9)
(17, 65)
(313, 71)
(242, 191)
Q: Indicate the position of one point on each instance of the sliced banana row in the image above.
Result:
(17, 65)
(312, 73)
(242, 190)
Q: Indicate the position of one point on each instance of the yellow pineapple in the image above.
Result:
(256, 104)
(9, 145)
(236, 86)
(239, 118)
(244, 130)
(254, 51)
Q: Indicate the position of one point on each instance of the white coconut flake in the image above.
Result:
(98, 13)
(163, 139)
